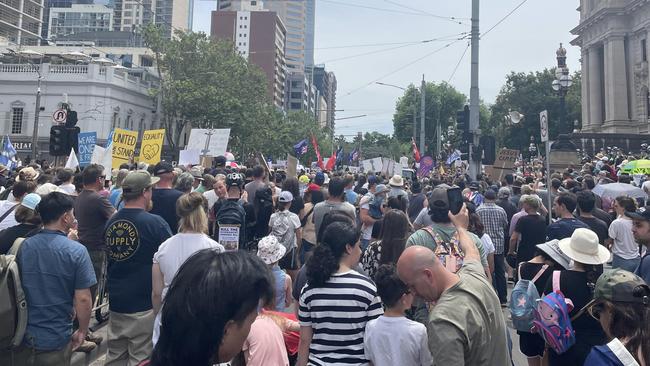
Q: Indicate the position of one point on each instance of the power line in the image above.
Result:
(450, 18)
(458, 64)
(384, 9)
(504, 18)
(376, 51)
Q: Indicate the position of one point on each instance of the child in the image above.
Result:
(392, 339)
(286, 227)
(270, 252)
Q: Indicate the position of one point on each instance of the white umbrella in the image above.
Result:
(613, 190)
(29, 54)
(103, 61)
(75, 55)
(119, 67)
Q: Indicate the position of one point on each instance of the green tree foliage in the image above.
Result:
(529, 94)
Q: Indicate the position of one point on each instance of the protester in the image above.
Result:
(201, 326)
(132, 236)
(297, 205)
(286, 227)
(335, 202)
(265, 343)
(115, 195)
(331, 281)
(234, 211)
(64, 181)
(56, 275)
(370, 210)
(350, 195)
(529, 231)
(259, 175)
(392, 339)
(311, 198)
(184, 182)
(163, 197)
(466, 326)
(495, 222)
(217, 192)
(586, 205)
(29, 222)
(477, 228)
(417, 201)
(7, 207)
(563, 207)
(396, 184)
(271, 251)
(641, 232)
(395, 230)
(624, 248)
(173, 252)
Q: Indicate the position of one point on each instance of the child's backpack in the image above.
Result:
(552, 320)
(523, 301)
(13, 304)
(449, 253)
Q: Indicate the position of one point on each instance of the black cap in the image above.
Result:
(220, 161)
(162, 168)
(490, 195)
(641, 214)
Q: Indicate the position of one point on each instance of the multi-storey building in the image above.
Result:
(21, 21)
(325, 83)
(79, 18)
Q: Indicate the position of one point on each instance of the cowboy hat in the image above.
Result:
(583, 247)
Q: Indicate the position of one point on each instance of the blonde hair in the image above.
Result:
(192, 210)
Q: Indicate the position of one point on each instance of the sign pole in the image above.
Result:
(543, 127)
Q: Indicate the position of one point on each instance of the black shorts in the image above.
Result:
(531, 344)
(290, 260)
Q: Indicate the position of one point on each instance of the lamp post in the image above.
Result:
(532, 148)
(415, 102)
(38, 100)
(561, 86)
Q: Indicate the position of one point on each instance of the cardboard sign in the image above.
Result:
(87, 141)
(123, 146)
(292, 166)
(504, 164)
(189, 157)
(216, 140)
(152, 143)
(229, 237)
(372, 165)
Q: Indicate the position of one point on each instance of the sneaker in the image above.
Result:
(86, 347)
(92, 337)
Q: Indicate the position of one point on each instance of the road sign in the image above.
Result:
(543, 125)
(60, 116)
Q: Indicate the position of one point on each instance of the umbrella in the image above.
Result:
(75, 55)
(29, 54)
(613, 190)
(103, 61)
(637, 167)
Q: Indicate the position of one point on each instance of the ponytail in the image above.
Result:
(321, 266)
(326, 257)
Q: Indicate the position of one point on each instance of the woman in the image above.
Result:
(192, 237)
(622, 242)
(347, 299)
(29, 222)
(184, 182)
(297, 205)
(476, 227)
(312, 197)
(209, 309)
(622, 306)
(577, 285)
(395, 231)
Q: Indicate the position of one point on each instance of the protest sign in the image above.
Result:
(216, 139)
(123, 146)
(189, 157)
(292, 166)
(152, 143)
(504, 163)
(87, 141)
(372, 165)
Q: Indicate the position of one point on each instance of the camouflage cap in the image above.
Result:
(619, 285)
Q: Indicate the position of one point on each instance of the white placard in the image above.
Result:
(372, 165)
(218, 141)
(229, 237)
(189, 157)
(98, 155)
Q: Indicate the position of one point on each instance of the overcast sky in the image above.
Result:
(525, 41)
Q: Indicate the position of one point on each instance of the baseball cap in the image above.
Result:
(162, 168)
(285, 196)
(137, 181)
(618, 285)
(319, 178)
(641, 214)
(30, 200)
(220, 161)
(439, 198)
(312, 187)
(490, 195)
(372, 179)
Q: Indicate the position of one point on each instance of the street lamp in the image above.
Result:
(561, 86)
(415, 101)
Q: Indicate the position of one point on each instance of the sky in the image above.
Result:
(369, 41)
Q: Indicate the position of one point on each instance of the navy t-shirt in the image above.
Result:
(564, 228)
(132, 237)
(164, 205)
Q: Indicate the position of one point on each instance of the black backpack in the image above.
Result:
(231, 214)
(263, 210)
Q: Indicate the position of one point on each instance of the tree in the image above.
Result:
(530, 93)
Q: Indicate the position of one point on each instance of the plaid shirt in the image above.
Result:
(495, 221)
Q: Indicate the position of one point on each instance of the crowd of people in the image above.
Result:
(246, 266)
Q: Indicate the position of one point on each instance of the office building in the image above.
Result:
(21, 21)
(79, 18)
(325, 83)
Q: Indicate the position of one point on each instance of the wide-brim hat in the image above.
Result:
(552, 249)
(269, 249)
(583, 247)
(28, 174)
(396, 181)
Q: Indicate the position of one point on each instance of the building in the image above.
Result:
(173, 15)
(613, 38)
(301, 95)
(130, 14)
(104, 98)
(21, 21)
(79, 18)
(260, 37)
(325, 83)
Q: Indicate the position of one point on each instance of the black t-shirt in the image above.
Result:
(530, 270)
(601, 214)
(132, 237)
(10, 234)
(598, 226)
(532, 230)
(416, 204)
(564, 228)
(164, 205)
(297, 205)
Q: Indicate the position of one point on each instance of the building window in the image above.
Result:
(644, 50)
(16, 120)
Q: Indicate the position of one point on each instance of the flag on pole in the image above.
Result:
(339, 155)
(7, 152)
(416, 152)
(318, 157)
(300, 148)
(354, 155)
(72, 162)
(453, 157)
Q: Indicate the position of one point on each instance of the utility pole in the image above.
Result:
(36, 113)
(439, 128)
(415, 112)
(422, 110)
(474, 164)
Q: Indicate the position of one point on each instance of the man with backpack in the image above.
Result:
(56, 275)
(259, 175)
(235, 219)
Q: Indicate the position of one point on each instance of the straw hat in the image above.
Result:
(396, 181)
(583, 247)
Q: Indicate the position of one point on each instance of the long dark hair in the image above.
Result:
(393, 235)
(475, 225)
(208, 290)
(632, 322)
(291, 184)
(330, 218)
(397, 203)
(325, 260)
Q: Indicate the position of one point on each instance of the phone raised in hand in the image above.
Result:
(455, 198)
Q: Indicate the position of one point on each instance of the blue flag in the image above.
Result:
(301, 148)
(7, 152)
(453, 157)
(339, 155)
(354, 155)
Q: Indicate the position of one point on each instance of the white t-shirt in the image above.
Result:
(364, 203)
(624, 245)
(68, 188)
(396, 341)
(171, 254)
(212, 198)
(488, 246)
(10, 220)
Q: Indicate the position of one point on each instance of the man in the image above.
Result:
(235, 202)
(563, 206)
(164, 197)
(474, 195)
(396, 184)
(56, 275)
(258, 182)
(504, 202)
(350, 194)
(335, 202)
(417, 202)
(466, 326)
(495, 221)
(586, 205)
(8, 207)
(132, 236)
(376, 194)
(641, 231)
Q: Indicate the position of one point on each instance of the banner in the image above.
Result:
(189, 157)
(426, 165)
(72, 162)
(87, 141)
(216, 139)
(98, 155)
(123, 146)
(292, 166)
(152, 143)
(372, 165)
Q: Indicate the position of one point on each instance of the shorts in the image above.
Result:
(290, 260)
(531, 344)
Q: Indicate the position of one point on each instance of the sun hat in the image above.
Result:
(285, 196)
(270, 250)
(552, 249)
(30, 201)
(197, 173)
(28, 174)
(46, 189)
(396, 181)
(583, 247)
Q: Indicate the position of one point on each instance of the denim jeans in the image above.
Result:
(364, 244)
(499, 278)
(629, 265)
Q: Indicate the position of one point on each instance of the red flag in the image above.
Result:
(416, 152)
(331, 163)
(318, 157)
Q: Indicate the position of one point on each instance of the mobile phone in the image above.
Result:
(455, 198)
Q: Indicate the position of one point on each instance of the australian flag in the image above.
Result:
(354, 155)
(7, 152)
(453, 157)
(339, 155)
(301, 148)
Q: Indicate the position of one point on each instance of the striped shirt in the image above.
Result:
(338, 312)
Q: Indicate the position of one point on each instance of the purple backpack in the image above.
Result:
(552, 320)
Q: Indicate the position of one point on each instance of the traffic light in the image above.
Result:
(59, 141)
(71, 119)
(462, 124)
(489, 149)
(73, 139)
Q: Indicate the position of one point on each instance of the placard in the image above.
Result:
(189, 157)
(504, 163)
(292, 166)
(217, 144)
(123, 146)
(87, 141)
(229, 237)
(152, 143)
(372, 165)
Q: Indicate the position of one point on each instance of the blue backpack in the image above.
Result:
(552, 320)
(523, 302)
